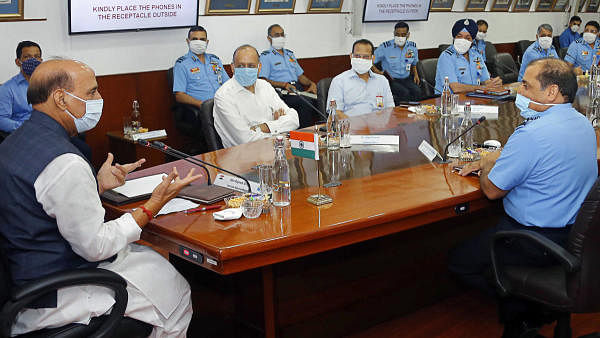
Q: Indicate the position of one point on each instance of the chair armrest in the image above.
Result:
(33, 290)
(569, 262)
(184, 107)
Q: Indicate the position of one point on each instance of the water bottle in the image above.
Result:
(446, 98)
(467, 139)
(281, 175)
(333, 129)
(136, 121)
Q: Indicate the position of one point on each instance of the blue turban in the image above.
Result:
(467, 24)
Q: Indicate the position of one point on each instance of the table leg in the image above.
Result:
(270, 311)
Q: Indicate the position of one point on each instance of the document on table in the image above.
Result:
(140, 186)
(477, 111)
(176, 205)
(375, 139)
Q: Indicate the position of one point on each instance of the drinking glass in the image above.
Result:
(345, 133)
(127, 126)
(265, 176)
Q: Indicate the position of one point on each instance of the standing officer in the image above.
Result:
(479, 43)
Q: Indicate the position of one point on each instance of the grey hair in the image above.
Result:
(246, 46)
(544, 26)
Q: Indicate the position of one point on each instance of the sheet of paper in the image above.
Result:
(428, 150)
(477, 111)
(176, 205)
(374, 139)
(140, 186)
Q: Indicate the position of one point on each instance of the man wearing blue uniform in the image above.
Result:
(541, 48)
(463, 65)
(280, 68)
(197, 75)
(543, 174)
(398, 58)
(479, 42)
(14, 108)
(583, 52)
(359, 90)
(570, 34)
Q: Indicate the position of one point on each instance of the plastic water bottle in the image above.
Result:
(467, 122)
(281, 175)
(136, 121)
(333, 128)
(446, 98)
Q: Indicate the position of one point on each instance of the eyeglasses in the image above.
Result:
(362, 56)
(246, 66)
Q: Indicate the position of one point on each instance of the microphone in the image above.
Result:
(444, 157)
(165, 148)
(308, 103)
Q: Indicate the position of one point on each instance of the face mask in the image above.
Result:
(574, 28)
(522, 103)
(198, 46)
(278, 42)
(481, 36)
(545, 42)
(589, 37)
(462, 45)
(361, 66)
(30, 65)
(400, 40)
(93, 112)
(246, 76)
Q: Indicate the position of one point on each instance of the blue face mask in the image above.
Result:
(522, 103)
(93, 112)
(30, 65)
(246, 76)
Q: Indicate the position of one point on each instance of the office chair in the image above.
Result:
(426, 69)
(571, 286)
(322, 92)
(490, 53)
(207, 126)
(556, 42)
(111, 325)
(443, 47)
(521, 47)
(562, 52)
(506, 68)
(3, 135)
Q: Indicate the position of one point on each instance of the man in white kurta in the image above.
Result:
(247, 108)
(63, 94)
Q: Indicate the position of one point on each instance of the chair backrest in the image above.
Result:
(506, 68)
(522, 46)
(5, 280)
(562, 52)
(170, 78)
(490, 53)
(443, 47)
(207, 121)
(322, 92)
(426, 69)
(556, 42)
(584, 242)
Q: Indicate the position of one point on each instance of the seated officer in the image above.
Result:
(14, 108)
(541, 48)
(479, 42)
(582, 52)
(280, 68)
(399, 59)
(463, 65)
(359, 91)
(197, 75)
(570, 34)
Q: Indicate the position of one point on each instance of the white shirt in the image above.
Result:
(237, 109)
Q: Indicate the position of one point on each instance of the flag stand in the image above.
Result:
(319, 199)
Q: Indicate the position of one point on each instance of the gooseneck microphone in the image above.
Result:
(308, 103)
(445, 156)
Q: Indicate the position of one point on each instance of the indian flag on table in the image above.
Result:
(304, 144)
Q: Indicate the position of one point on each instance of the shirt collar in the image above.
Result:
(276, 51)
(238, 87)
(552, 109)
(195, 57)
(355, 74)
(20, 78)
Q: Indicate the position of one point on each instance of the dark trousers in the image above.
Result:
(307, 116)
(405, 90)
(471, 262)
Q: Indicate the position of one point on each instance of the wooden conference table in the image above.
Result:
(385, 192)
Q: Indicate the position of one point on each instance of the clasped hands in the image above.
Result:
(485, 164)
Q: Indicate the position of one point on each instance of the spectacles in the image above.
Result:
(246, 66)
(362, 56)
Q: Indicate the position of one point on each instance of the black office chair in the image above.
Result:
(111, 325)
(426, 69)
(490, 53)
(506, 68)
(443, 47)
(521, 47)
(207, 126)
(562, 52)
(571, 286)
(322, 92)
(3, 135)
(556, 42)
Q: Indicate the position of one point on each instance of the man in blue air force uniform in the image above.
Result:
(541, 48)
(582, 52)
(570, 33)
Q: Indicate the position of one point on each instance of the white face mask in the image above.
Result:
(400, 40)
(574, 28)
(545, 42)
(481, 36)
(93, 112)
(278, 42)
(462, 45)
(361, 66)
(198, 46)
(589, 37)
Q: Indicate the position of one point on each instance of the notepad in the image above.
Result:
(140, 186)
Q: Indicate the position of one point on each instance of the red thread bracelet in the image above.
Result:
(147, 212)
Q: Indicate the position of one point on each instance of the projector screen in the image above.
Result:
(396, 10)
(94, 16)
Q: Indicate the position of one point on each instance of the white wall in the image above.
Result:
(309, 35)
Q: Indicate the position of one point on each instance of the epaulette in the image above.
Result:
(580, 40)
(180, 59)
(411, 44)
(213, 56)
(448, 51)
(386, 44)
(265, 52)
(289, 51)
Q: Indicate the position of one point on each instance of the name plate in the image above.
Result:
(477, 111)
(428, 150)
(235, 183)
(375, 139)
(149, 135)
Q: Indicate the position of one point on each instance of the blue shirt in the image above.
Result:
(458, 69)
(397, 61)
(14, 108)
(546, 170)
(534, 52)
(567, 37)
(580, 54)
(197, 79)
(355, 97)
(278, 67)
(480, 46)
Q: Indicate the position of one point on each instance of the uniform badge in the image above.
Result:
(379, 101)
(292, 59)
(216, 68)
(584, 53)
(195, 70)
(410, 54)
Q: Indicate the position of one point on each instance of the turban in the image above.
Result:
(465, 24)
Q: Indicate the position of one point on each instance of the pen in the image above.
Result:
(210, 207)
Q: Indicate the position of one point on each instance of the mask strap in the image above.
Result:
(78, 98)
